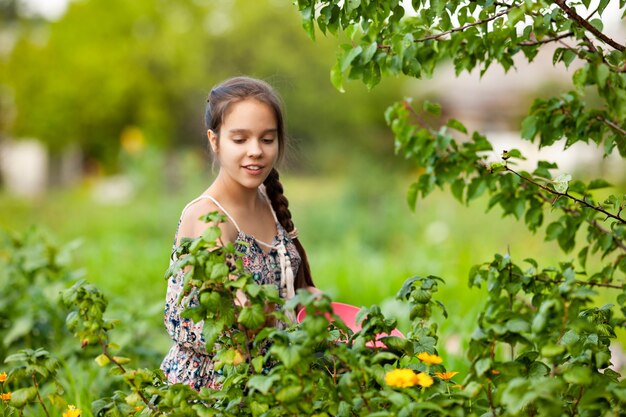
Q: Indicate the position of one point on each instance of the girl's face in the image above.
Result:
(247, 146)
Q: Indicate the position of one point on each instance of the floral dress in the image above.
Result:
(188, 360)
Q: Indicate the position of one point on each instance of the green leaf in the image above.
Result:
(211, 234)
(432, 108)
(347, 59)
(252, 316)
(476, 188)
(336, 77)
(529, 127)
(602, 6)
(598, 183)
(482, 366)
(455, 124)
(258, 408)
(550, 350)
(289, 356)
(262, 383)
(457, 188)
(102, 360)
(203, 411)
(602, 74)
(289, 394)
(561, 183)
(257, 364)
(411, 195)
(22, 396)
(517, 326)
(578, 375)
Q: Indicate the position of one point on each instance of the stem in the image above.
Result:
(548, 40)
(571, 197)
(45, 410)
(564, 322)
(105, 351)
(592, 222)
(612, 124)
(580, 395)
(588, 26)
(462, 28)
(490, 400)
(591, 284)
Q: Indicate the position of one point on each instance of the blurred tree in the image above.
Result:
(107, 66)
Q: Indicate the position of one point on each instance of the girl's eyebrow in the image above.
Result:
(248, 131)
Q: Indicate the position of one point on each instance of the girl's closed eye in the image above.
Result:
(268, 140)
(238, 139)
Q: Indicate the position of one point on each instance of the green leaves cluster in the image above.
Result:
(32, 267)
(270, 368)
(541, 346)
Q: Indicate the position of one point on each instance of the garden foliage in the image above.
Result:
(541, 342)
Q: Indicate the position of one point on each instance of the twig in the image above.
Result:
(45, 410)
(580, 395)
(462, 28)
(612, 124)
(417, 116)
(565, 194)
(105, 350)
(578, 282)
(593, 222)
(588, 26)
(548, 40)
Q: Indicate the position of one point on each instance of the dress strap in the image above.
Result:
(206, 196)
(269, 203)
(223, 210)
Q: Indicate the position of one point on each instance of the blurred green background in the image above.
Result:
(114, 90)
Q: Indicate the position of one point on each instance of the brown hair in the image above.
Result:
(219, 101)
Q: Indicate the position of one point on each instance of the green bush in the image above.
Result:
(540, 348)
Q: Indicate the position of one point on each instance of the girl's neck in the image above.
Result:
(234, 195)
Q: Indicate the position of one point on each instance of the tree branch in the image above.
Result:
(591, 284)
(612, 124)
(588, 26)
(462, 28)
(548, 40)
(593, 222)
(565, 194)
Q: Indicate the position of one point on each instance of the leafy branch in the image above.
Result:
(566, 194)
(588, 26)
(469, 25)
(547, 40)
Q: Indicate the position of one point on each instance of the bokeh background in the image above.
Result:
(102, 143)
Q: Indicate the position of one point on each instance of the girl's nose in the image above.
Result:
(254, 149)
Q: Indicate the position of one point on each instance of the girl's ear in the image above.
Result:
(212, 140)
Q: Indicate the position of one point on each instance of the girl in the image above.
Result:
(246, 134)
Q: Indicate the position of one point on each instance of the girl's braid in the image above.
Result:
(280, 204)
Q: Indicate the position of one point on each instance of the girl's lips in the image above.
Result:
(253, 169)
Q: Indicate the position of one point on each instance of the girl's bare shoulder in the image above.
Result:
(190, 223)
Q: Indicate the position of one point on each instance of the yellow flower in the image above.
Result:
(424, 380)
(429, 359)
(72, 411)
(401, 378)
(445, 375)
(3, 376)
(5, 397)
(139, 408)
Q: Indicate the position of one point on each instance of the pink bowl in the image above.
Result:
(348, 313)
